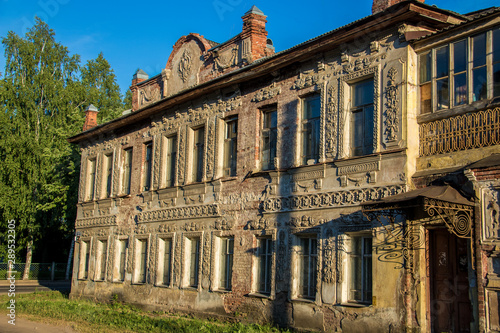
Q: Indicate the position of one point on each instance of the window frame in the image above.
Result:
(91, 178)
(198, 154)
(471, 68)
(102, 253)
(265, 265)
(367, 112)
(161, 260)
(118, 270)
(350, 256)
(85, 256)
(141, 271)
(107, 175)
(188, 274)
(268, 131)
(169, 170)
(306, 122)
(128, 157)
(225, 263)
(147, 166)
(230, 155)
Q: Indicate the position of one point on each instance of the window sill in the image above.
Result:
(118, 281)
(355, 305)
(163, 286)
(138, 283)
(192, 289)
(222, 291)
(304, 300)
(259, 295)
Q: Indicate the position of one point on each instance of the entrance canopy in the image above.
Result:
(441, 201)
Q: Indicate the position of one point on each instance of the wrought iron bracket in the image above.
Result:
(456, 217)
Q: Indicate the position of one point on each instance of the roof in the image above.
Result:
(470, 17)
(251, 68)
(255, 10)
(444, 193)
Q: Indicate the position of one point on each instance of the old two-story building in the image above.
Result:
(349, 183)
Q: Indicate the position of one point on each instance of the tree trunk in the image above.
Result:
(29, 254)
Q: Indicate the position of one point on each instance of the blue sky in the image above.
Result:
(140, 34)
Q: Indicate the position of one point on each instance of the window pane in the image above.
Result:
(442, 61)
(91, 187)
(195, 256)
(363, 93)
(479, 50)
(479, 84)
(460, 89)
(496, 79)
(357, 132)
(171, 160)
(109, 174)
(147, 166)
(123, 248)
(104, 258)
(443, 94)
(460, 56)
(167, 261)
(368, 129)
(496, 45)
(312, 107)
(199, 144)
(425, 98)
(425, 67)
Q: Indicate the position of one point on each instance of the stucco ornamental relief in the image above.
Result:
(227, 58)
(149, 94)
(330, 199)
(267, 93)
(185, 65)
(491, 209)
(392, 106)
(96, 221)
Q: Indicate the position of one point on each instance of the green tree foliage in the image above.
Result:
(43, 93)
(101, 88)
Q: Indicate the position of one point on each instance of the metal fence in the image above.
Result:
(38, 271)
(468, 131)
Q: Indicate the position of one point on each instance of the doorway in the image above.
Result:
(450, 307)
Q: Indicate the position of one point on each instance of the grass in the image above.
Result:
(88, 316)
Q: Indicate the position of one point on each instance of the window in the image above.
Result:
(127, 172)
(170, 160)
(194, 262)
(108, 175)
(308, 256)
(84, 259)
(91, 179)
(165, 261)
(311, 107)
(496, 62)
(360, 271)
(102, 258)
(230, 147)
(148, 164)
(362, 118)
(458, 73)
(226, 263)
(141, 260)
(264, 263)
(198, 151)
(269, 139)
(121, 257)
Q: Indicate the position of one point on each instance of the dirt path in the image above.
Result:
(27, 326)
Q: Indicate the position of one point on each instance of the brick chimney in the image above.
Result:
(381, 5)
(137, 78)
(254, 27)
(90, 117)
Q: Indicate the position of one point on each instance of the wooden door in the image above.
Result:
(450, 307)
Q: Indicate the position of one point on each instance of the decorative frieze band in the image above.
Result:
(358, 168)
(96, 221)
(179, 213)
(332, 199)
